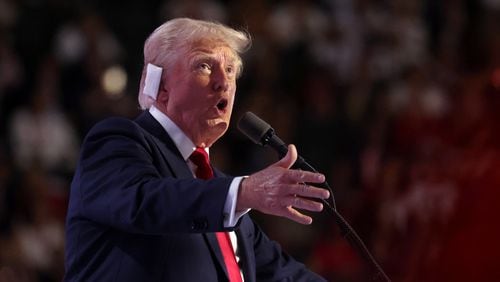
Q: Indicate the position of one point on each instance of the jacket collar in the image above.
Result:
(167, 146)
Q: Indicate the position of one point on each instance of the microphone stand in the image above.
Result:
(357, 244)
(348, 232)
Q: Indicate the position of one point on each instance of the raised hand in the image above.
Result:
(279, 190)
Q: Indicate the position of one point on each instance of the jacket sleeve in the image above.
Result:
(118, 184)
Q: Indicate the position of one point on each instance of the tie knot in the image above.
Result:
(200, 158)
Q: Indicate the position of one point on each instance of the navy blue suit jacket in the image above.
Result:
(136, 213)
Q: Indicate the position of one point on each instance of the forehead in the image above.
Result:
(212, 48)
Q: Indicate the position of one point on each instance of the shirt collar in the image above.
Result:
(181, 141)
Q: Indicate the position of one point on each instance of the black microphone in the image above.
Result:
(261, 133)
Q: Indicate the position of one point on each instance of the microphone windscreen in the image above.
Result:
(253, 127)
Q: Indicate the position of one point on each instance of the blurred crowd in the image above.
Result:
(396, 101)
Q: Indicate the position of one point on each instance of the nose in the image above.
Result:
(220, 81)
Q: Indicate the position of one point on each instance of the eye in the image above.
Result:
(231, 71)
(205, 67)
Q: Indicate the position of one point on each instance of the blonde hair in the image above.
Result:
(172, 38)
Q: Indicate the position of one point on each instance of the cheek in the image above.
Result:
(200, 81)
(195, 91)
(231, 102)
(232, 96)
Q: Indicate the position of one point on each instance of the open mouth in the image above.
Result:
(222, 104)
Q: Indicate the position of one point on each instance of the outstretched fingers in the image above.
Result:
(304, 190)
(293, 214)
(301, 176)
(301, 203)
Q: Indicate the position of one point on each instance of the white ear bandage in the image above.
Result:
(152, 81)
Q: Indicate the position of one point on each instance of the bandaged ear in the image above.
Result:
(152, 81)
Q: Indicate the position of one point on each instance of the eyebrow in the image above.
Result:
(201, 53)
(207, 57)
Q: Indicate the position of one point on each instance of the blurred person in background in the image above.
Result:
(40, 134)
(146, 205)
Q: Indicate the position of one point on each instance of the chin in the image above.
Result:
(220, 128)
(216, 129)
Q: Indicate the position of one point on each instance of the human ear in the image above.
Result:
(163, 93)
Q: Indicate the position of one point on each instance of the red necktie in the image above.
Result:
(204, 171)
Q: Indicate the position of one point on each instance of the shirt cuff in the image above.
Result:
(231, 217)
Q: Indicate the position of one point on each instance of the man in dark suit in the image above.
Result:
(145, 205)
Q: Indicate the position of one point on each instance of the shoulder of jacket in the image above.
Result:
(115, 122)
(114, 126)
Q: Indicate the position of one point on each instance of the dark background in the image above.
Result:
(396, 101)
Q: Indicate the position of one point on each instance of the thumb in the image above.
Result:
(289, 159)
